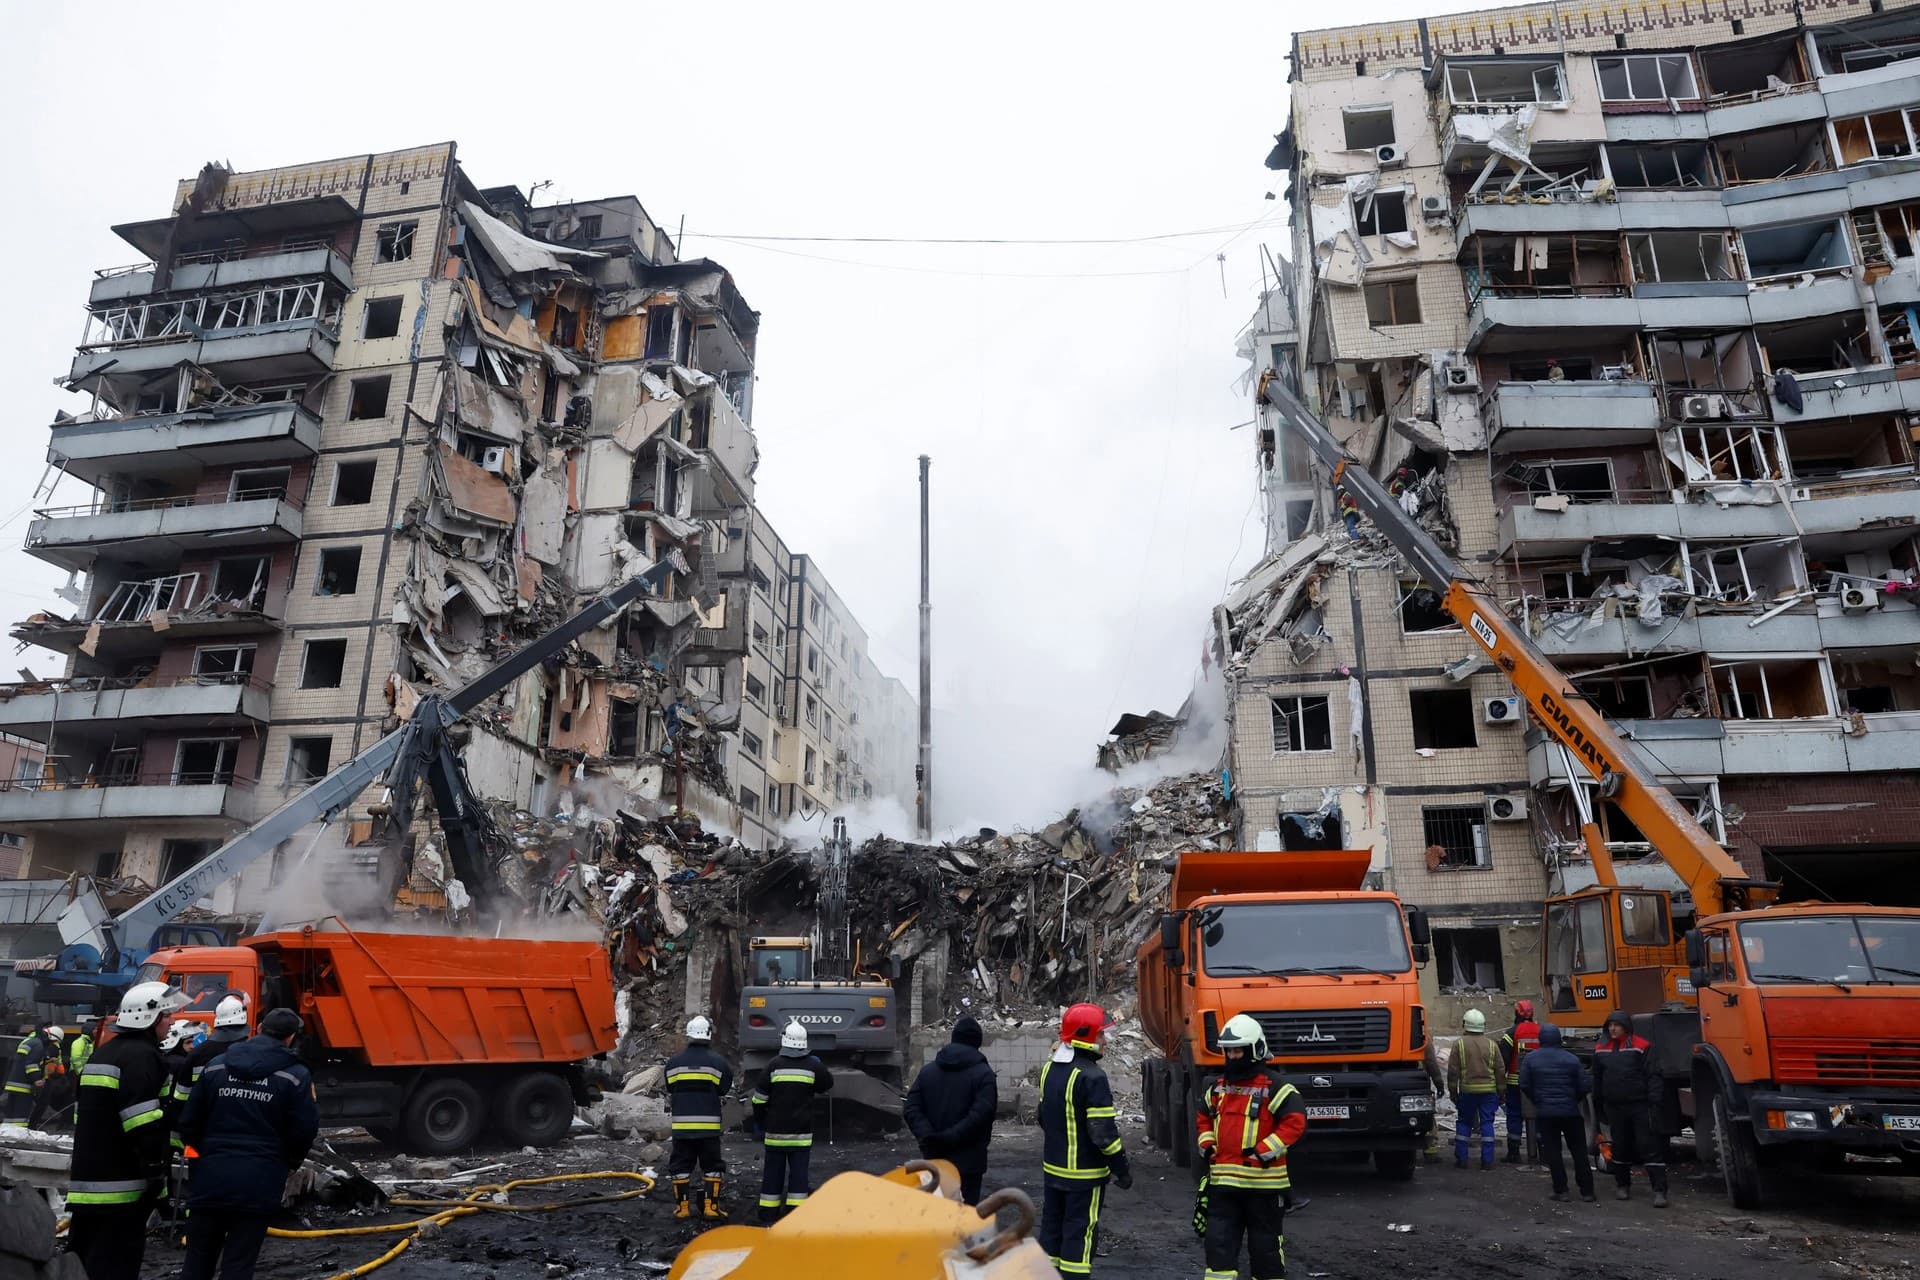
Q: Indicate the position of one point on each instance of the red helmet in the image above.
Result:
(1082, 1025)
(1523, 1009)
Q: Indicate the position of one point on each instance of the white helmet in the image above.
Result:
(1243, 1031)
(175, 1034)
(699, 1029)
(794, 1039)
(231, 1011)
(145, 1003)
(55, 1034)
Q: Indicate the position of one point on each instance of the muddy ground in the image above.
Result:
(1488, 1225)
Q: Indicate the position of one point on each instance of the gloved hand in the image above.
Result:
(1123, 1174)
(1207, 1151)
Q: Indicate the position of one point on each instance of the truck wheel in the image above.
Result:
(1739, 1157)
(1395, 1166)
(443, 1116)
(1151, 1104)
(535, 1110)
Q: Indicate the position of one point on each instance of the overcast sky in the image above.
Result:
(1090, 498)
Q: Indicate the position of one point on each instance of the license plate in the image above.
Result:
(1327, 1113)
(1900, 1122)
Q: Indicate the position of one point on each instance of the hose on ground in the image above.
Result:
(479, 1200)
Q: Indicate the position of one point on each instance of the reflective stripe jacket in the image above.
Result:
(79, 1050)
(1476, 1065)
(783, 1099)
(1078, 1120)
(208, 1051)
(120, 1122)
(1519, 1040)
(28, 1069)
(697, 1079)
(1249, 1126)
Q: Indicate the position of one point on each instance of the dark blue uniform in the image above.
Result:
(783, 1113)
(697, 1080)
(120, 1154)
(1081, 1149)
(252, 1118)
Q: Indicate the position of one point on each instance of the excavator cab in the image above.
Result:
(1612, 947)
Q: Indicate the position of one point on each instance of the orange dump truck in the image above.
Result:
(1328, 969)
(422, 1039)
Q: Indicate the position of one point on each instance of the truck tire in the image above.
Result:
(535, 1110)
(1738, 1156)
(1395, 1166)
(1153, 1102)
(443, 1116)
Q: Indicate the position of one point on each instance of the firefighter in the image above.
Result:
(697, 1080)
(27, 1076)
(120, 1137)
(1081, 1141)
(1350, 513)
(1249, 1119)
(229, 1029)
(783, 1121)
(1519, 1040)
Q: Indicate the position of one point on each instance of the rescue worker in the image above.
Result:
(27, 1075)
(252, 1117)
(1249, 1118)
(951, 1105)
(229, 1029)
(120, 1155)
(783, 1120)
(697, 1080)
(1627, 1097)
(1350, 513)
(1516, 1042)
(1475, 1073)
(80, 1049)
(1081, 1146)
(1554, 1082)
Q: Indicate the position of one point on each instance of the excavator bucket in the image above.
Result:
(908, 1224)
(1200, 875)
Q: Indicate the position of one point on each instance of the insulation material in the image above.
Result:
(515, 332)
(1648, 591)
(1505, 133)
(481, 406)
(1356, 713)
(517, 254)
(1743, 495)
(474, 491)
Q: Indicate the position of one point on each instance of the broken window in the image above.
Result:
(1883, 135)
(339, 573)
(659, 332)
(1652, 167)
(1315, 830)
(1767, 154)
(225, 663)
(1302, 723)
(1421, 610)
(1646, 77)
(1867, 55)
(811, 760)
(1618, 697)
(1832, 450)
(623, 728)
(1456, 836)
(369, 398)
(243, 579)
(1581, 479)
(1670, 256)
(203, 761)
(255, 486)
(1722, 453)
(1391, 302)
(308, 760)
(1568, 584)
(1795, 249)
(1746, 573)
(1783, 689)
(756, 691)
(1469, 958)
(393, 241)
(813, 711)
(760, 582)
(323, 664)
(177, 857)
(1506, 80)
(1380, 213)
(749, 801)
(1442, 719)
(1368, 127)
(353, 483)
(382, 318)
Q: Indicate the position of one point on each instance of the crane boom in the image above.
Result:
(1717, 882)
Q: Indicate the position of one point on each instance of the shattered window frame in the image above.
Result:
(323, 645)
(756, 691)
(1386, 299)
(241, 666)
(1367, 119)
(750, 743)
(225, 759)
(356, 466)
(361, 403)
(393, 241)
(1408, 591)
(344, 561)
(307, 774)
(1299, 720)
(1437, 724)
(1451, 956)
(749, 802)
(1646, 77)
(1370, 212)
(385, 309)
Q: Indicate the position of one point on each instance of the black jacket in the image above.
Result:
(1078, 1122)
(120, 1122)
(252, 1118)
(951, 1105)
(697, 1079)
(783, 1099)
(1552, 1078)
(1624, 1078)
(209, 1050)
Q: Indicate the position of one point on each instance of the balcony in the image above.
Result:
(1587, 414)
(1623, 633)
(196, 273)
(47, 707)
(164, 443)
(276, 332)
(1716, 748)
(161, 530)
(1537, 526)
(717, 644)
(1503, 318)
(197, 606)
(1746, 112)
(1854, 393)
(156, 797)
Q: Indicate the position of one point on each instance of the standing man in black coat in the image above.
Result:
(951, 1106)
(1554, 1081)
(1629, 1098)
(252, 1117)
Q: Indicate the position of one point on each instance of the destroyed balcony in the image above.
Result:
(1504, 319)
(1867, 619)
(194, 273)
(152, 797)
(93, 448)
(1705, 748)
(1852, 393)
(140, 617)
(273, 333)
(1766, 109)
(727, 637)
(1543, 525)
(47, 708)
(1587, 414)
(161, 530)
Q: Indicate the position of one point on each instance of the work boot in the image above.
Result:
(711, 1208)
(1486, 1162)
(1660, 1199)
(1622, 1192)
(1513, 1151)
(1459, 1162)
(682, 1206)
(1560, 1197)
(1587, 1197)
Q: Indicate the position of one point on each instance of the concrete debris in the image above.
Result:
(1135, 738)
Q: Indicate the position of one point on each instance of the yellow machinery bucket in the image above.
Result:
(909, 1224)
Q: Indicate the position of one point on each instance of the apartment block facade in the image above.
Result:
(1622, 299)
(355, 430)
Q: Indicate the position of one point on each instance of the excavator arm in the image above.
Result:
(1717, 882)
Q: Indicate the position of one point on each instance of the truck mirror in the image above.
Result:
(1417, 927)
(1422, 953)
(1701, 976)
(1696, 950)
(1170, 950)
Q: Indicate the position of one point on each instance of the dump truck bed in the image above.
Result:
(396, 1000)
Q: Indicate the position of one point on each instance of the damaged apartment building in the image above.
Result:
(355, 430)
(1621, 301)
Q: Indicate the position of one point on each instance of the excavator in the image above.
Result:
(1788, 1034)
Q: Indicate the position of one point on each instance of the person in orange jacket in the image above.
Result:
(1249, 1119)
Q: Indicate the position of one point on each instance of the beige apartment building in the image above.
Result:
(1621, 298)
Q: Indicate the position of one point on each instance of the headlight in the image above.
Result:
(1802, 1120)
(1415, 1102)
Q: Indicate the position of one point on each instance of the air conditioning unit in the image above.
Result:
(1500, 710)
(1389, 156)
(494, 459)
(1854, 599)
(1462, 377)
(1702, 408)
(1507, 808)
(1434, 208)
